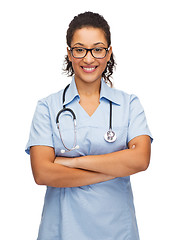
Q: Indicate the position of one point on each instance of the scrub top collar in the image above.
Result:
(105, 92)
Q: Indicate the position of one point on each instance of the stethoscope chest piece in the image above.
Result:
(110, 136)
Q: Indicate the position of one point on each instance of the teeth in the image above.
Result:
(89, 69)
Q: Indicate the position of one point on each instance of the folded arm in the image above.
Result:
(48, 173)
(118, 164)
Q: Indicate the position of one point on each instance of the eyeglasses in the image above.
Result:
(80, 52)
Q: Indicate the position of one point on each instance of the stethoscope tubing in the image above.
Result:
(63, 110)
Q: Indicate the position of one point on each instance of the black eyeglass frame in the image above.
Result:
(89, 50)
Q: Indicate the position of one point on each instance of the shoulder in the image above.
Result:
(49, 105)
(52, 99)
(124, 98)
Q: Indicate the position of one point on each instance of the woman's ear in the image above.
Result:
(109, 54)
(69, 54)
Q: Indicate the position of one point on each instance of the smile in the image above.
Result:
(89, 69)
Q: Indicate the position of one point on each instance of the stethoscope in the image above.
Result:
(110, 135)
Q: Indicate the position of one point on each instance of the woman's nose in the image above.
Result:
(89, 58)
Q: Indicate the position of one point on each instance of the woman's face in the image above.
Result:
(89, 69)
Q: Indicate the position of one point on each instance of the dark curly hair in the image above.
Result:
(90, 19)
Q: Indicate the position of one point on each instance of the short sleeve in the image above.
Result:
(137, 120)
(41, 129)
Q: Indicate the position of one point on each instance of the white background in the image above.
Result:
(32, 49)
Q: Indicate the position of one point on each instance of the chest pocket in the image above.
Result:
(99, 145)
(90, 140)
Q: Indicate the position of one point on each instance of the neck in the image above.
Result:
(88, 89)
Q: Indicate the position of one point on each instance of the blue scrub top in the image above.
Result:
(99, 211)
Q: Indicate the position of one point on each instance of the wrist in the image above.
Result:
(78, 161)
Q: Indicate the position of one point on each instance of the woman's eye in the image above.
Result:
(98, 49)
(79, 50)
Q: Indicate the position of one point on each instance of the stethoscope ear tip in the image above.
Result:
(62, 151)
(77, 147)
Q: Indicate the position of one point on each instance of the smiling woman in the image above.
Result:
(88, 67)
(89, 194)
(97, 22)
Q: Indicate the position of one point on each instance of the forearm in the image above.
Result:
(121, 163)
(118, 164)
(56, 175)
